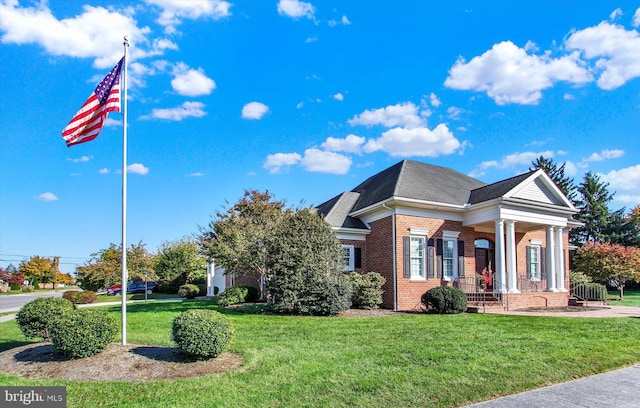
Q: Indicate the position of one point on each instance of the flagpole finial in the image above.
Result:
(126, 41)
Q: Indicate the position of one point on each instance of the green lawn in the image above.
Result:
(413, 360)
(631, 298)
(137, 296)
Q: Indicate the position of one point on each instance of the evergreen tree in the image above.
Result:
(623, 230)
(593, 202)
(557, 174)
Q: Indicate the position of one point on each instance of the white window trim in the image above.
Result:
(538, 246)
(451, 236)
(424, 256)
(351, 266)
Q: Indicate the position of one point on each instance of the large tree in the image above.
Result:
(557, 174)
(238, 235)
(608, 263)
(622, 229)
(306, 271)
(179, 262)
(593, 203)
(105, 266)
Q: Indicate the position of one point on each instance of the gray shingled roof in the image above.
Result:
(497, 189)
(415, 180)
(336, 211)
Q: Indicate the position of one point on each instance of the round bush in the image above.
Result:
(233, 295)
(202, 333)
(35, 317)
(188, 291)
(79, 297)
(82, 333)
(444, 300)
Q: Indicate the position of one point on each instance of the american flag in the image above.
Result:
(88, 121)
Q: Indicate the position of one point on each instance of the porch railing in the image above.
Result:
(531, 285)
(589, 292)
(478, 293)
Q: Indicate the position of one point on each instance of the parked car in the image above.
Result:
(134, 286)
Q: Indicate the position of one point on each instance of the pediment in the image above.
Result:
(539, 188)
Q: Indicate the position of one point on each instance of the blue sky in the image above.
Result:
(304, 99)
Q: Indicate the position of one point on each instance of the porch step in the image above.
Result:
(576, 302)
(477, 307)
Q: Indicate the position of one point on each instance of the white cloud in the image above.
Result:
(196, 174)
(510, 161)
(570, 169)
(254, 110)
(344, 21)
(310, 40)
(110, 122)
(614, 49)
(47, 197)
(319, 161)
(186, 110)
(404, 114)
(454, 112)
(416, 142)
(338, 97)
(137, 168)
(80, 159)
(605, 155)
(568, 97)
(350, 144)
(295, 9)
(96, 33)
(636, 18)
(275, 162)
(435, 101)
(615, 14)
(627, 179)
(509, 74)
(104, 171)
(191, 82)
(174, 11)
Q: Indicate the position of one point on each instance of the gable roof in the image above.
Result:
(336, 211)
(497, 189)
(419, 181)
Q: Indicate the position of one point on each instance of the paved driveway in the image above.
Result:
(13, 303)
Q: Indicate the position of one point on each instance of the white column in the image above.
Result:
(500, 262)
(560, 267)
(512, 274)
(211, 270)
(551, 263)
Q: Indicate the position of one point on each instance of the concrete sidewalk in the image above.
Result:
(615, 389)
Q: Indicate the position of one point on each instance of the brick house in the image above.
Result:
(422, 226)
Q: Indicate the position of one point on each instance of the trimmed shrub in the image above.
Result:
(35, 318)
(82, 333)
(15, 286)
(444, 300)
(202, 333)
(367, 290)
(27, 289)
(202, 289)
(252, 293)
(188, 291)
(233, 295)
(79, 297)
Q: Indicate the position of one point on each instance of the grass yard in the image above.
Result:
(631, 298)
(412, 360)
(137, 296)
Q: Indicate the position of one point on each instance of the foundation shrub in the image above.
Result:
(367, 290)
(444, 300)
(233, 295)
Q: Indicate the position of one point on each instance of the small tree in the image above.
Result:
(238, 236)
(179, 263)
(610, 263)
(305, 267)
(38, 268)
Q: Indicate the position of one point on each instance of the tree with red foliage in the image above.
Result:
(610, 263)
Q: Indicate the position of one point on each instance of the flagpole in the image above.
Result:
(125, 278)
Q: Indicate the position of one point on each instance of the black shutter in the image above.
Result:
(439, 258)
(430, 258)
(357, 258)
(461, 258)
(406, 247)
